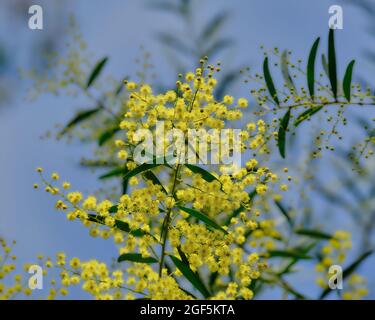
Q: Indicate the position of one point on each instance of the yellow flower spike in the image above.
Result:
(55, 176)
(122, 154)
(66, 185)
(242, 102)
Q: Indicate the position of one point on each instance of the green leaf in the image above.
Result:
(285, 70)
(252, 194)
(226, 81)
(286, 286)
(80, 116)
(288, 254)
(191, 276)
(347, 82)
(183, 256)
(113, 173)
(306, 115)
(106, 135)
(348, 271)
(202, 217)
(282, 133)
(311, 68)
(113, 209)
(125, 184)
(120, 87)
(218, 46)
(269, 81)
(121, 225)
(325, 65)
(136, 257)
(314, 234)
(332, 62)
(204, 173)
(174, 43)
(142, 168)
(303, 250)
(212, 279)
(149, 175)
(96, 71)
(351, 268)
(213, 26)
(284, 212)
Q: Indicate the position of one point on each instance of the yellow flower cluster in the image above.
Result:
(137, 222)
(11, 284)
(355, 288)
(334, 253)
(204, 219)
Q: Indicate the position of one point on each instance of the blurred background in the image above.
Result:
(174, 33)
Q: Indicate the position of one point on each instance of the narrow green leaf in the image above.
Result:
(149, 175)
(313, 234)
(285, 70)
(183, 256)
(97, 163)
(191, 276)
(303, 250)
(282, 133)
(106, 135)
(202, 217)
(136, 257)
(125, 184)
(96, 71)
(113, 173)
(142, 168)
(113, 209)
(306, 115)
(209, 177)
(269, 81)
(175, 43)
(311, 68)
(120, 87)
(217, 46)
(227, 80)
(213, 26)
(212, 279)
(121, 225)
(332, 62)
(288, 254)
(325, 65)
(80, 116)
(347, 82)
(284, 212)
(286, 286)
(351, 268)
(252, 194)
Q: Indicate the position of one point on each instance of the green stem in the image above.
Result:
(166, 223)
(317, 104)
